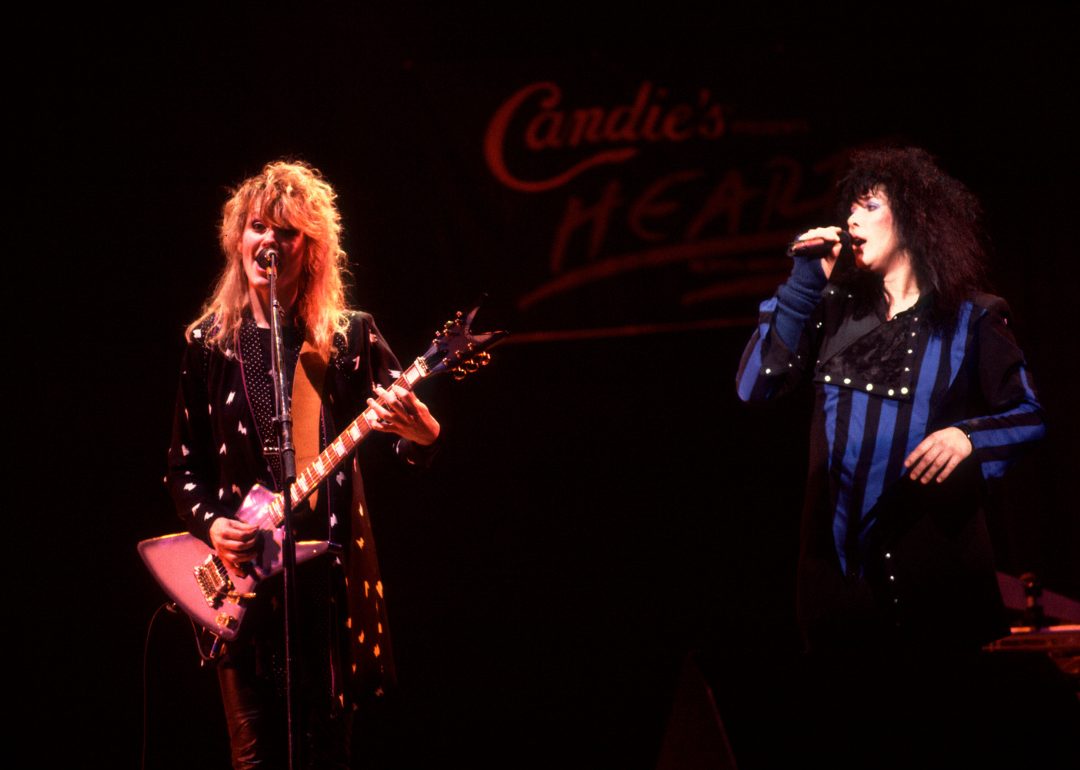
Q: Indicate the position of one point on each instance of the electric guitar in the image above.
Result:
(192, 573)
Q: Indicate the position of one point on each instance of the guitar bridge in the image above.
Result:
(214, 581)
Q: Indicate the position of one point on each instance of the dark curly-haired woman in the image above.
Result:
(922, 396)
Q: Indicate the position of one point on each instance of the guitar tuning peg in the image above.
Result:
(459, 314)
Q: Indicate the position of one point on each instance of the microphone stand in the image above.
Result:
(287, 454)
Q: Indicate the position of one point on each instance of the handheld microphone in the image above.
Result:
(817, 247)
(266, 257)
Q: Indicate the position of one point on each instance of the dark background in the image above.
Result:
(601, 507)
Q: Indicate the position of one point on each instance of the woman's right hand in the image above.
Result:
(234, 542)
(829, 234)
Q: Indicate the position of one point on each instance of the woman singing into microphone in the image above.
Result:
(922, 396)
(224, 442)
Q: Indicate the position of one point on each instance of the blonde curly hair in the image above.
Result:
(288, 195)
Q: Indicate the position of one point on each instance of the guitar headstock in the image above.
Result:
(457, 349)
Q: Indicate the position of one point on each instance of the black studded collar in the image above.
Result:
(870, 354)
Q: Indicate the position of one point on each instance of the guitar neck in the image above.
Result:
(340, 448)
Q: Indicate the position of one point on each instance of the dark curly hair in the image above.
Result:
(937, 221)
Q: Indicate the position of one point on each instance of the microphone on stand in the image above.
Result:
(815, 248)
(266, 257)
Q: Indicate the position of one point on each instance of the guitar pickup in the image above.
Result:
(213, 581)
(215, 584)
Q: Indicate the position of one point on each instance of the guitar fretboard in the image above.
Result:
(341, 447)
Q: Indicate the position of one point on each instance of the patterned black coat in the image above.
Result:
(216, 456)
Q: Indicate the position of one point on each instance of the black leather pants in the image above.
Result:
(258, 730)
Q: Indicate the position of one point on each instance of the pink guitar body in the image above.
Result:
(196, 579)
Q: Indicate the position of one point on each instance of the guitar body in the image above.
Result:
(194, 576)
(196, 579)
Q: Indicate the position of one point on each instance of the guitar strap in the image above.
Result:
(307, 407)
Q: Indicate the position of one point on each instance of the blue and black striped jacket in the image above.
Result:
(882, 387)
